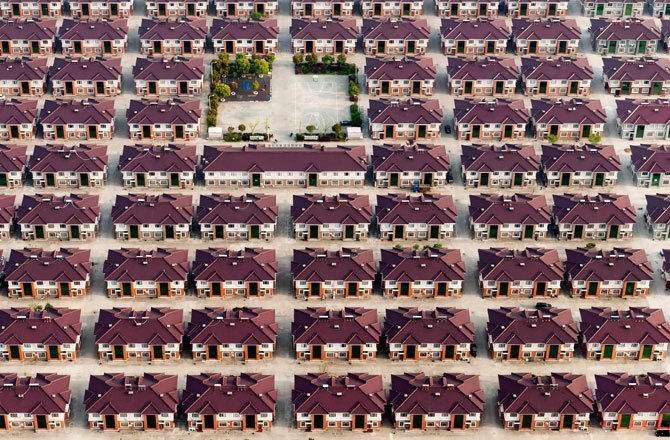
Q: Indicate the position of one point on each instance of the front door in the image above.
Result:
(169, 231)
(441, 289)
(252, 352)
(25, 88)
(523, 9)
(527, 421)
(568, 421)
(574, 87)
(482, 9)
(113, 9)
(518, 179)
(174, 179)
(74, 232)
(188, 46)
(608, 352)
(158, 352)
(14, 353)
(349, 232)
(454, 9)
(528, 231)
(476, 131)
(541, 288)
(586, 130)
(428, 179)
(377, 9)
(179, 132)
(126, 289)
(578, 231)
(500, 87)
(318, 421)
(624, 421)
(647, 350)
(388, 132)
(316, 352)
(352, 289)
(493, 231)
(434, 231)
(255, 231)
(458, 421)
(553, 352)
(393, 179)
(552, 9)
(146, 132)
(359, 421)
(5, 47)
(411, 46)
(253, 289)
(118, 352)
(134, 231)
(60, 132)
(484, 179)
(313, 232)
(625, 88)
(614, 231)
(410, 352)
(183, 87)
(16, 10)
(600, 9)
(503, 289)
(69, 88)
(460, 46)
(592, 289)
(406, 9)
(41, 422)
(532, 46)
(158, 46)
(255, 180)
(655, 179)
(337, 9)
(110, 420)
(151, 421)
(309, 10)
(212, 352)
(309, 46)
(311, 179)
(385, 87)
(449, 352)
(51, 179)
(417, 421)
(381, 46)
(208, 421)
(39, 232)
(3, 179)
(641, 47)
(314, 289)
(84, 180)
(611, 47)
(404, 289)
(562, 46)
(422, 132)
(399, 232)
(467, 88)
(249, 421)
(508, 132)
(107, 46)
(639, 131)
(77, 46)
(600, 179)
(656, 88)
(629, 290)
(356, 352)
(490, 47)
(514, 352)
(164, 289)
(190, 9)
(215, 289)
(416, 87)
(65, 289)
(92, 132)
(153, 88)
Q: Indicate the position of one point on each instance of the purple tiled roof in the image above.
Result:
(161, 265)
(351, 325)
(636, 69)
(400, 29)
(628, 29)
(244, 30)
(631, 394)
(346, 264)
(549, 29)
(450, 393)
(435, 264)
(177, 69)
(23, 69)
(7, 209)
(183, 29)
(658, 208)
(51, 326)
(416, 157)
(408, 111)
(164, 209)
(477, 29)
(526, 393)
(643, 111)
(571, 111)
(248, 264)
(496, 209)
(578, 209)
(489, 68)
(73, 209)
(214, 393)
(65, 265)
(496, 111)
(145, 158)
(15, 112)
(173, 111)
(31, 29)
(152, 393)
(68, 111)
(313, 209)
(12, 158)
(248, 209)
(624, 264)
(40, 395)
(507, 157)
(77, 69)
(307, 158)
(577, 158)
(408, 68)
(562, 68)
(403, 209)
(651, 158)
(324, 29)
(123, 325)
(536, 264)
(355, 393)
(641, 325)
(82, 158)
(442, 325)
(514, 325)
(94, 30)
(241, 325)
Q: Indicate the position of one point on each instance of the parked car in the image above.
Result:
(542, 305)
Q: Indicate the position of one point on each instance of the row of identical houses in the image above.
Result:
(350, 334)
(352, 402)
(343, 273)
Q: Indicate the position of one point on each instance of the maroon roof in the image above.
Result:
(477, 29)
(417, 69)
(578, 158)
(514, 325)
(65, 265)
(416, 157)
(643, 111)
(15, 112)
(172, 111)
(450, 393)
(183, 29)
(307, 158)
(641, 325)
(248, 209)
(82, 158)
(526, 393)
(496, 209)
(104, 30)
(177, 68)
(144, 158)
(636, 69)
(536, 264)
(658, 208)
(347, 264)
(152, 393)
(628, 29)
(23, 69)
(434, 264)
(248, 264)
(40, 395)
(650, 158)
(571, 111)
(507, 157)
(351, 325)
(400, 29)
(241, 325)
(123, 325)
(12, 158)
(633, 394)
(313, 209)
(324, 29)
(79, 69)
(548, 29)
(355, 393)
(442, 325)
(7, 209)
(42, 209)
(214, 393)
(31, 29)
(68, 111)
(51, 326)
(623, 264)
(578, 209)
(408, 111)
(496, 111)
(165, 209)
(133, 264)
(402, 209)
(489, 68)
(244, 30)
(562, 68)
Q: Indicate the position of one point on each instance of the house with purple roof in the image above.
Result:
(94, 38)
(657, 215)
(177, 76)
(516, 217)
(537, 9)
(318, 9)
(243, 217)
(170, 38)
(171, 120)
(474, 38)
(569, 119)
(18, 119)
(12, 165)
(48, 396)
(339, 217)
(170, 9)
(410, 119)
(31, 37)
(466, 10)
(93, 9)
(250, 37)
(561, 76)
(76, 166)
(499, 166)
(588, 165)
(625, 37)
(650, 165)
(638, 76)
(244, 8)
(421, 217)
(28, 10)
(79, 77)
(404, 166)
(493, 120)
(489, 76)
(599, 217)
(67, 119)
(158, 166)
(397, 8)
(546, 37)
(643, 119)
(395, 37)
(609, 10)
(405, 77)
(321, 37)
(152, 217)
(23, 76)
(50, 217)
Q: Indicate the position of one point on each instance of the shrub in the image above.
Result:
(48, 306)
(341, 59)
(397, 246)
(594, 138)
(590, 245)
(311, 59)
(211, 119)
(337, 128)
(234, 85)
(255, 15)
(298, 58)
(552, 138)
(232, 137)
(356, 117)
(353, 89)
(327, 60)
(270, 58)
(242, 128)
(255, 85)
(416, 247)
(437, 245)
(310, 128)
(260, 67)
(221, 90)
(230, 129)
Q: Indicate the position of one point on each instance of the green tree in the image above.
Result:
(221, 91)
(552, 138)
(298, 58)
(311, 59)
(341, 59)
(327, 60)
(256, 15)
(310, 128)
(260, 67)
(211, 119)
(241, 66)
(594, 138)
(337, 128)
(270, 58)
(255, 85)
(242, 128)
(416, 247)
(353, 89)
